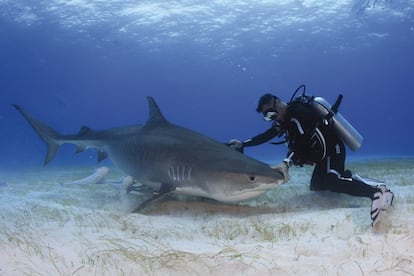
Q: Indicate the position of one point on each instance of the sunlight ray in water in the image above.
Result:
(192, 21)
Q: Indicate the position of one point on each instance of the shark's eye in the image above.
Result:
(252, 178)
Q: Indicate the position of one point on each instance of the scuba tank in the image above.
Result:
(346, 132)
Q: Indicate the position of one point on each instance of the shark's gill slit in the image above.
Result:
(189, 173)
(183, 173)
(169, 173)
(177, 173)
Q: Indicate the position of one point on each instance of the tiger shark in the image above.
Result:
(168, 158)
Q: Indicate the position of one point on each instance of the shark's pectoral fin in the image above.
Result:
(156, 196)
(164, 189)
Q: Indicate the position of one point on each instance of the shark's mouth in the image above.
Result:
(227, 196)
(246, 194)
(241, 196)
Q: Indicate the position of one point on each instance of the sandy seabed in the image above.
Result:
(51, 229)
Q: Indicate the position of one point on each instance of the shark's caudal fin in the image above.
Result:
(49, 135)
(155, 115)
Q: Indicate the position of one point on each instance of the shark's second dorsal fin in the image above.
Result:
(84, 130)
(155, 115)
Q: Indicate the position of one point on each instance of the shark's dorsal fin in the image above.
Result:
(155, 115)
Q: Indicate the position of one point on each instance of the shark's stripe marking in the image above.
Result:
(180, 173)
(189, 173)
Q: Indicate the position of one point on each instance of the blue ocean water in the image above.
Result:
(80, 62)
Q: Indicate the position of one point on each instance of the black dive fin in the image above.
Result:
(49, 135)
(157, 195)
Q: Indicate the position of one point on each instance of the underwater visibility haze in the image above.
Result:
(73, 63)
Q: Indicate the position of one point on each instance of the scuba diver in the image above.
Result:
(316, 134)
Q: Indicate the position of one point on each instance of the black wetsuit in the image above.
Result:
(314, 142)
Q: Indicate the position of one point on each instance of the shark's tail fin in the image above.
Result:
(49, 135)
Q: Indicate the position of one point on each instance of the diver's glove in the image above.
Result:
(236, 144)
(284, 169)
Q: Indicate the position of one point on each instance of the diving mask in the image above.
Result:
(270, 115)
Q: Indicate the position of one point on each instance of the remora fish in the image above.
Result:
(94, 178)
(166, 157)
